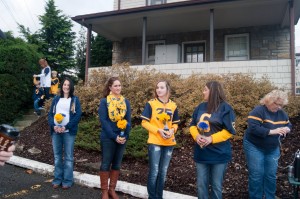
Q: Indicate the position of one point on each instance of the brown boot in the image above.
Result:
(104, 175)
(114, 175)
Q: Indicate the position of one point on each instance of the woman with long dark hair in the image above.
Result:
(211, 127)
(63, 119)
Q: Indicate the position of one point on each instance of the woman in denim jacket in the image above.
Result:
(63, 119)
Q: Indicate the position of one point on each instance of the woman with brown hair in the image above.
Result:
(211, 127)
(115, 118)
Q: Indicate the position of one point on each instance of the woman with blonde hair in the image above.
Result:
(160, 118)
(267, 124)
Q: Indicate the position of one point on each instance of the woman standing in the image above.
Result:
(160, 118)
(211, 127)
(115, 117)
(267, 124)
(63, 118)
(45, 77)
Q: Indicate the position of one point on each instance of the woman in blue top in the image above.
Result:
(63, 119)
(267, 124)
(211, 127)
(115, 117)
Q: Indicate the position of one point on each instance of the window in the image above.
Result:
(150, 51)
(194, 52)
(237, 47)
(156, 2)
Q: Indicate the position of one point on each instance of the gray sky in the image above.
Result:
(26, 12)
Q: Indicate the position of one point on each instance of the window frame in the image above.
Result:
(226, 57)
(193, 42)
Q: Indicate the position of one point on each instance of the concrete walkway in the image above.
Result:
(27, 119)
(82, 178)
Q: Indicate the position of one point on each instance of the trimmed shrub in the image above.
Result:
(243, 92)
(18, 61)
(88, 134)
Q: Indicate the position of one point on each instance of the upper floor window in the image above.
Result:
(156, 2)
(237, 47)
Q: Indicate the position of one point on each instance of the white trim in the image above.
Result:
(237, 35)
(191, 42)
(152, 42)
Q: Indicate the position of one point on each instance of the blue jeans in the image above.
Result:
(112, 154)
(63, 172)
(159, 159)
(37, 107)
(262, 166)
(210, 174)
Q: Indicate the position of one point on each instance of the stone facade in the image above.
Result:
(277, 71)
(266, 43)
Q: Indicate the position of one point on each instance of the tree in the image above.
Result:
(57, 38)
(81, 53)
(101, 52)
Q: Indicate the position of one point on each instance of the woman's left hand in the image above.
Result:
(208, 140)
(121, 140)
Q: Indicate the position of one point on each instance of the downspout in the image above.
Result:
(211, 35)
(119, 4)
(144, 41)
(88, 53)
(292, 44)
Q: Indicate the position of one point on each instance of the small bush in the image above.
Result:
(137, 143)
(88, 134)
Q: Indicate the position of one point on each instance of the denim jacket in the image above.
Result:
(75, 114)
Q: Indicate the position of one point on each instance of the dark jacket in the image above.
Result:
(109, 128)
(75, 114)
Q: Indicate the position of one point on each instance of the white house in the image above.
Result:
(203, 36)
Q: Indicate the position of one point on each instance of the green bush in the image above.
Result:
(88, 134)
(88, 138)
(137, 143)
(18, 62)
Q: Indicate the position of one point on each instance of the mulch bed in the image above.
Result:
(181, 174)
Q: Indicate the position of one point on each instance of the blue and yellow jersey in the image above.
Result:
(260, 122)
(220, 128)
(151, 122)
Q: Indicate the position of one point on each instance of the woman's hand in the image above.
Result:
(121, 140)
(6, 155)
(203, 141)
(163, 133)
(282, 131)
(59, 129)
(170, 133)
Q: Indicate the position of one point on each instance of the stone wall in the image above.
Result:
(266, 42)
(277, 71)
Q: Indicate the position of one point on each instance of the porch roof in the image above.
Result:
(188, 16)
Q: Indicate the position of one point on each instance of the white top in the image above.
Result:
(45, 79)
(63, 106)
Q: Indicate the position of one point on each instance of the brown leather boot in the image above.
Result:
(114, 175)
(104, 175)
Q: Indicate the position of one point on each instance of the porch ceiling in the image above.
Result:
(189, 16)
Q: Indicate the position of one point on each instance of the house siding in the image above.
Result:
(266, 43)
(126, 4)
